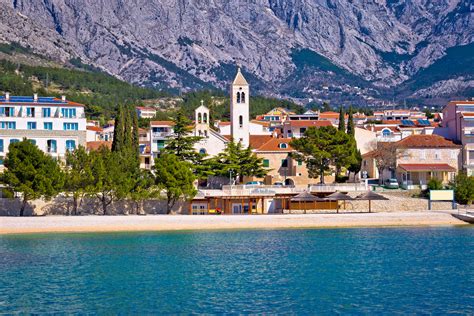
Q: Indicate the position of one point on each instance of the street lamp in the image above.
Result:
(230, 178)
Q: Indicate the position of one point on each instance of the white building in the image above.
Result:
(145, 112)
(54, 125)
(239, 110)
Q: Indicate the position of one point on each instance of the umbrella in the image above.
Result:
(371, 196)
(305, 197)
(338, 196)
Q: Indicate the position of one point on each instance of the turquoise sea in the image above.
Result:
(348, 271)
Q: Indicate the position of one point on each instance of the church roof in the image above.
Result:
(239, 79)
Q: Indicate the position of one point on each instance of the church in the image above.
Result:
(269, 145)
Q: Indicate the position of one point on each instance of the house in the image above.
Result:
(55, 125)
(458, 120)
(145, 112)
(298, 128)
(94, 133)
(423, 157)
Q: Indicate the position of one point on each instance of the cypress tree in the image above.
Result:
(118, 142)
(342, 123)
(350, 123)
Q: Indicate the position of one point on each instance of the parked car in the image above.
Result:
(391, 184)
(254, 183)
(279, 184)
(216, 211)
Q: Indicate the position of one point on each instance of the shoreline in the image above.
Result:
(170, 223)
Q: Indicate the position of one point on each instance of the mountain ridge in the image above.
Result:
(361, 50)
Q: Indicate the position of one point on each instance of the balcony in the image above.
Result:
(156, 135)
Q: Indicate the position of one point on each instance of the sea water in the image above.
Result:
(355, 271)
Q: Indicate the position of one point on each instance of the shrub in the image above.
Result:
(463, 186)
(435, 184)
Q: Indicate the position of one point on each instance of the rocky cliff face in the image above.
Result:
(288, 47)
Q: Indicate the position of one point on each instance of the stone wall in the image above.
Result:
(64, 206)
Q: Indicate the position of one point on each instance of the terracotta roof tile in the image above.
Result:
(274, 144)
(427, 167)
(307, 123)
(167, 123)
(96, 145)
(426, 141)
(256, 141)
(94, 128)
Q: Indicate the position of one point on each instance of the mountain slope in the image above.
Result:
(288, 47)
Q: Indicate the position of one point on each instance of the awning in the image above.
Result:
(427, 167)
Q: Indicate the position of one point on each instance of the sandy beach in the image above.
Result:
(46, 224)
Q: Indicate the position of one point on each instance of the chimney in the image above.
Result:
(35, 97)
(63, 98)
(7, 96)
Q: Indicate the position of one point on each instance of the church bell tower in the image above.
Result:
(239, 110)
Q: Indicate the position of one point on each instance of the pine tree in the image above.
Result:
(350, 123)
(342, 123)
(118, 141)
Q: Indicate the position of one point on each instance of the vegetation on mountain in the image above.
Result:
(31, 172)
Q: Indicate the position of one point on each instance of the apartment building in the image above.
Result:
(145, 112)
(54, 125)
(458, 120)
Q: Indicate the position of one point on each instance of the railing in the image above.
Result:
(333, 187)
(162, 134)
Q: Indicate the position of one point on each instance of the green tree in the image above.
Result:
(181, 143)
(111, 181)
(463, 186)
(32, 173)
(321, 148)
(326, 107)
(350, 123)
(342, 121)
(435, 184)
(238, 161)
(143, 188)
(175, 177)
(78, 175)
(356, 163)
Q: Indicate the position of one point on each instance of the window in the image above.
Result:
(70, 145)
(386, 133)
(14, 140)
(1, 145)
(242, 97)
(51, 146)
(7, 111)
(46, 112)
(423, 154)
(160, 144)
(66, 112)
(302, 130)
(238, 97)
(48, 126)
(300, 163)
(199, 118)
(241, 121)
(437, 154)
(266, 163)
(30, 112)
(283, 145)
(202, 151)
(71, 126)
(205, 117)
(33, 141)
(7, 125)
(284, 163)
(31, 125)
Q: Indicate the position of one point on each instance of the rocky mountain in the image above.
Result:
(355, 50)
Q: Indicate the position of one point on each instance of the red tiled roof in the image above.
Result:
(96, 145)
(392, 122)
(274, 145)
(167, 123)
(468, 114)
(224, 123)
(256, 141)
(461, 102)
(377, 128)
(307, 123)
(427, 167)
(94, 128)
(426, 141)
(145, 108)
